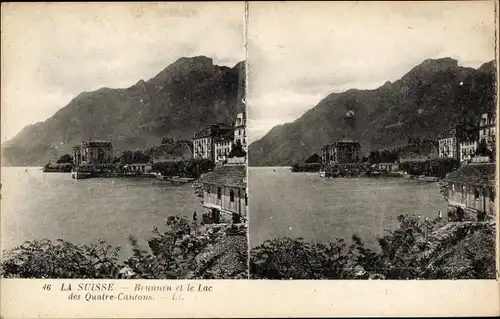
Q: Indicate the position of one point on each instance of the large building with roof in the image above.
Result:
(225, 192)
(240, 135)
(96, 153)
(449, 142)
(487, 129)
(472, 188)
(223, 145)
(204, 140)
(340, 152)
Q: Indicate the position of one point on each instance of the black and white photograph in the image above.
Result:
(124, 141)
(372, 140)
(249, 159)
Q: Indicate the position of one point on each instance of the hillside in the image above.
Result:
(425, 102)
(186, 95)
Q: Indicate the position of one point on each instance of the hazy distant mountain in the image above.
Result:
(186, 95)
(429, 99)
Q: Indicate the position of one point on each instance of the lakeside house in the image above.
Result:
(487, 129)
(472, 187)
(138, 168)
(240, 135)
(204, 140)
(467, 150)
(341, 152)
(449, 143)
(215, 141)
(96, 153)
(461, 143)
(223, 145)
(225, 193)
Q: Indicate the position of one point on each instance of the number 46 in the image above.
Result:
(46, 287)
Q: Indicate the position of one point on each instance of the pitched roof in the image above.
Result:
(229, 136)
(474, 174)
(230, 175)
(212, 130)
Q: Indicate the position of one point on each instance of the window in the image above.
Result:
(246, 199)
(492, 194)
(219, 193)
(231, 196)
(209, 190)
(476, 193)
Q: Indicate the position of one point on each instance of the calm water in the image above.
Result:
(53, 205)
(289, 204)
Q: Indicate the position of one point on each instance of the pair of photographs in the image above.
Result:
(342, 140)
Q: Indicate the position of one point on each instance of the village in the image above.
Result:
(462, 161)
(214, 161)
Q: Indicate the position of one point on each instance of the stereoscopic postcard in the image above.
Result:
(248, 159)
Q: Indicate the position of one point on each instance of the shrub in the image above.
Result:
(183, 250)
(60, 259)
(412, 251)
(286, 258)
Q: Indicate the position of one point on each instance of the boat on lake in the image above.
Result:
(428, 178)
(80, 174)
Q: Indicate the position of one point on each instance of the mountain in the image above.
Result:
(185, 96)
(431, 98)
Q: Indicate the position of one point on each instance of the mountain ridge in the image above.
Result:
(423, 103)
(184, 96)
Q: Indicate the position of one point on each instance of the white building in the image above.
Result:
(467, 150)
(224, 192)
(448, 147)
(204, 140)
(240, 130)
(487, 130)
(223, 145)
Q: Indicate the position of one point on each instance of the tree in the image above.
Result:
(483, 149)
(237, 150)
(127, 157)
(374, 157)
(66, 158)
(315, 158)
(167, 140)
(140, 157)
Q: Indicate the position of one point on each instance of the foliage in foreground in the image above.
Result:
(183, 250)
(415, 250)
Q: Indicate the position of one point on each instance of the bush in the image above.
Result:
(286, 258)
(60, 259)
(412, 251)
(66, 158)
(183, 250)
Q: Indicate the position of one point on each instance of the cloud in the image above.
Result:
(53, 52)
(298, 54)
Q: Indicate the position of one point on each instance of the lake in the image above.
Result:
(53, 205)
(286, 204)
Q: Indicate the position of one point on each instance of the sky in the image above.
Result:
(53, 52)
(298, 53)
